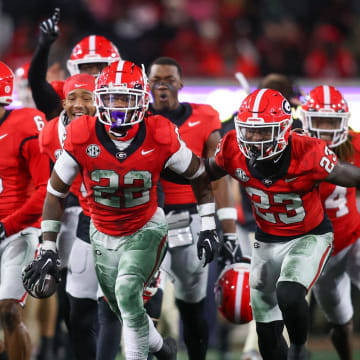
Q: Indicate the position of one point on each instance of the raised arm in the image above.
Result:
(45, 97)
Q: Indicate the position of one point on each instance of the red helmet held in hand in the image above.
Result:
(232, 293)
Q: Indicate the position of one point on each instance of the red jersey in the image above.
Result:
(194, 131)
(289, 205)
(51, 143)
(121, 185)
(340, 206)
(24, 171)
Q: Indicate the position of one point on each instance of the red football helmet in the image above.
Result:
(22, 86)
(6, 84)
(122, 94)
(92, 49)
(326, 105)
(232, 293)
(263, 124)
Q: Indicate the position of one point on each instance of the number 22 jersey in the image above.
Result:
(286, 205)
(121, 184)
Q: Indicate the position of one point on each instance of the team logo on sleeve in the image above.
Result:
(241, 175)
(93, 150)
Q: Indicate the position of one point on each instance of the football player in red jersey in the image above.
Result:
(279, 172)
(23, 176)
(91, 55)
(81, 282)
(121, 153)
(199, 127)
(325, 115)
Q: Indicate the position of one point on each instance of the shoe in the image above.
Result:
(251, 355)
(168, 350)
(297, 352)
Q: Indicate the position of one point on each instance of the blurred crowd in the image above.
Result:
(207, 37)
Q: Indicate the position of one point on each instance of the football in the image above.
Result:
(44, 289)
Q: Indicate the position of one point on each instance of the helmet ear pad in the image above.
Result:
(232, 293)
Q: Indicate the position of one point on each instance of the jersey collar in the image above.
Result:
(177, 116)
(105, 140)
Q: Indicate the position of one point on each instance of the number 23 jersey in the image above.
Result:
(121, 185)
(289, 206)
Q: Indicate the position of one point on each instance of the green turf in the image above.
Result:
(213, 355)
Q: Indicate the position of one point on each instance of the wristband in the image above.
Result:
(50, 226)
(48, 245)
(54, 192)
(206, 209)
(227, 213)
(208, 223)
(231, 236)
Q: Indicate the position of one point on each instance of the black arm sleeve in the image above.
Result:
(45, 97)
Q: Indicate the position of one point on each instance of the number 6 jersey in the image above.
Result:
(286, 203)
(121, 184)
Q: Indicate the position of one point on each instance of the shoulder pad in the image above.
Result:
(160, 128)
(80, 128)
(205, 109)
(48, 132)
(355, 139)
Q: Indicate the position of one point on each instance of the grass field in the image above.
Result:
(315, 355)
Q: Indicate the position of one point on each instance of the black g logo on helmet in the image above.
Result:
(286, 107)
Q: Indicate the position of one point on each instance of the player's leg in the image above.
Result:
(301, 267)
(17, 338)
(333, 294)
(109, 332)
(81, 287)
(190, 292)
(124, 265)
(265, 269)
(47, 310)
(16, 252)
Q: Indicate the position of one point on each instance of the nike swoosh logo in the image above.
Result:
(191, 124)
(143, 152)
(290, 179)
(79, 85)
(2, 136)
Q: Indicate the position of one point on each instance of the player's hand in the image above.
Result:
(47, 262)
(208, 245)
(2, 232)
(49, 30)
(230, 251)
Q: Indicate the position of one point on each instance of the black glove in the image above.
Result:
(2, 232)
(47, 262)
(49, 31)
(209, 244)
(230, 251)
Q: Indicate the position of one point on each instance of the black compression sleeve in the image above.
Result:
(45, 97)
